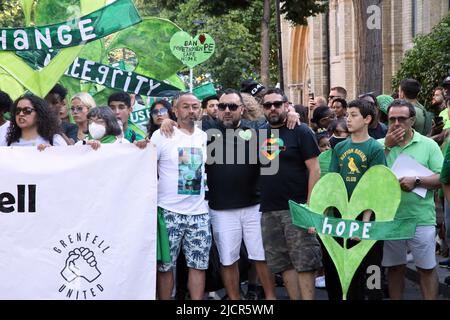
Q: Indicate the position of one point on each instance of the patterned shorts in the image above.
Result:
(193, 234)
(287, 246)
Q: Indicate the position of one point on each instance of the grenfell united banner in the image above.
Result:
(78, 224)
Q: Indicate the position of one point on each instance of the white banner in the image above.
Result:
(78, 224)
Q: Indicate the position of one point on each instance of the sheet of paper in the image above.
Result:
(405, 166)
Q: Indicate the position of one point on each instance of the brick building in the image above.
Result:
(323, 54)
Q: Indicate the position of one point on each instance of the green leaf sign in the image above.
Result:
(192, 51)
(378, 190)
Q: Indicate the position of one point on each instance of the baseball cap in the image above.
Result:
(252, 87)
(384, 101)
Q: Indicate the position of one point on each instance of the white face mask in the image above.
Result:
(97, 131)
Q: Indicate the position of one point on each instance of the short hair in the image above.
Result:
(233, 91)
(342, 101)
(182, 94)
(5, 102)
(205, 101)
(365, 108)
(403, 103)
(86, 99)
(105, 113)
(341, 90)
(410, 88)
(59, 90)
(276, 91)
(120, 96)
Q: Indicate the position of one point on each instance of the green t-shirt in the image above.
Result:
(324, 162)
(132, 136)
(424, 119)
(427, 152)
(351, 160)
(444, 115)
(445, 172)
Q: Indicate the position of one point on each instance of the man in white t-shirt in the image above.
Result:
(181, 196)
(5, 106)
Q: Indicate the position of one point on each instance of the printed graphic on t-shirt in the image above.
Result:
(354, 162)
(272, 147)
(190, 162)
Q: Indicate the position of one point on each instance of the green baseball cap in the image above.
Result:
(384, 101)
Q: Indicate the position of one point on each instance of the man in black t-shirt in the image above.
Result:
(290, 250)
(233, 179)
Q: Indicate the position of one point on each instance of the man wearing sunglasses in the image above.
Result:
(289, 250)
(403, 139)
(233, 193)
(335, 93)
(120, 104)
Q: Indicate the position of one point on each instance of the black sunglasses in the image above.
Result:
(26, 110)
(276, 104)
(231, 106)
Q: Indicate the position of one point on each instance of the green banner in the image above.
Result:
(116, 78)
(303, 217)
(96, 25)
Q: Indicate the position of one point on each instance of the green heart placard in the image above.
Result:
(41, 81)
(192, 51)
(378, 190)
(246, 134)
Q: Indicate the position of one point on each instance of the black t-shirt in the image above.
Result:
(291, 180)
(70, 130)
(232, 184)
(379, 132)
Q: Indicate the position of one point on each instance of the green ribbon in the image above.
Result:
(116, 78)
(400, 229)
(98, 24)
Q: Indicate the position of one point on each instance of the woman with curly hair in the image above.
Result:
(33, 124)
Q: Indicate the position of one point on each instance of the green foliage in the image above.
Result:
(237, 37)
(428, 61)
(11, 14)
(297, 11)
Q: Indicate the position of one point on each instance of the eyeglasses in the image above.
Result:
(230, 106)
(76, 109)
(399, 119)
(162, 112)
(26, 110)
(276, 104)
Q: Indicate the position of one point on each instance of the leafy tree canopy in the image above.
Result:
(428, 61)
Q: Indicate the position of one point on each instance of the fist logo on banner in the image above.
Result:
(81, 263)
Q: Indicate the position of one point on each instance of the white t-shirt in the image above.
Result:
(57, 141)
(3, 131)
(181, 170)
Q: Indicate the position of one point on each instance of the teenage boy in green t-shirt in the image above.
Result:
(351, 159)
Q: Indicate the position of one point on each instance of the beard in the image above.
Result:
(276, 119)
(230, 123)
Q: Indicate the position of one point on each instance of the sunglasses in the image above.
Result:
(26, 110)
(162, 112)
(230, 106)
(76, 109)
(399, 119)
(276, 104)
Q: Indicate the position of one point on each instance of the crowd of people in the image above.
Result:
(224, 183)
